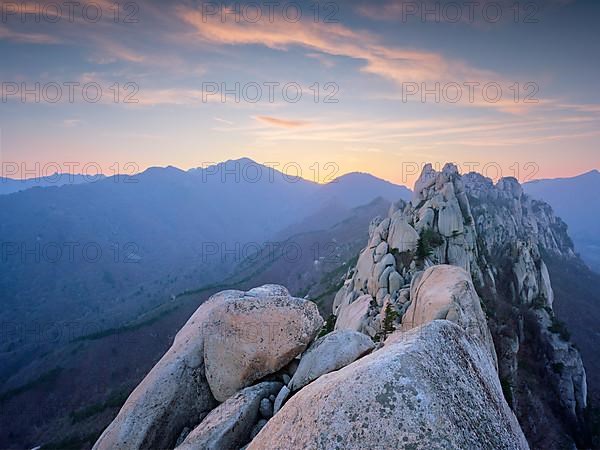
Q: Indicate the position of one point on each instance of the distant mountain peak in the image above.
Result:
(356, 176)
(244, 160)
(585, 175)
(593, 172)
(162, 170)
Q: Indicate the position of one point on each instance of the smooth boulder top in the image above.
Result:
(267, 328)
(434, 387)
(255, 335)
(328, 353)
(447, 292)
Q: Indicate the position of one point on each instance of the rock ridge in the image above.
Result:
(442, 336)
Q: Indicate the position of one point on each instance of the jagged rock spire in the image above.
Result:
(498, 235)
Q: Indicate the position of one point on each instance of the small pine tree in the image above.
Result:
(328, 326)
(423, 250)
(428, 239)
(388, 322)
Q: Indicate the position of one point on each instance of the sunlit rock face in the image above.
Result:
(446, 292)
(430, 388)
(255, 335)
(498, 235)
(231, 341)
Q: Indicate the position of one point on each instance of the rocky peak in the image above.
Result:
(498, 235)
(443, 337)
(510, 186)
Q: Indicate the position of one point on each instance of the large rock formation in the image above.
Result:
(433, 387)
(328, 353)
(453, 289)
(498, 235)
(241, 336)
(255, 335)
(230, 424)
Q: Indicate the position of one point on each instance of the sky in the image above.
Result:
(321, 87)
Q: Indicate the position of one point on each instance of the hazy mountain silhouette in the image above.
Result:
(359, 188)
(98, 254)
(577, 202)
(10, 185)
(93, 374)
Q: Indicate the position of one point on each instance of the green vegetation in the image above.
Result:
(388, 322)
(334, 279)
(507, 390)
(114, 400)
(231, 283)
(42, 380)
(485, 307)
(538, 303)
(166, 310)
(428, 240)
(328, 292)
(304, 292)
(126, 328)
(328, 326)
(559, 328)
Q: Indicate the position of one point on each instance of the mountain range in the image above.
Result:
(575, 199)
(78, 383)
(105, 270)
(10, 185)
(99, 254)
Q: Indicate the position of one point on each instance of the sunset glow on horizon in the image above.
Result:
(371, 87)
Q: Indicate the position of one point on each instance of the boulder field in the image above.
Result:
(274, 384)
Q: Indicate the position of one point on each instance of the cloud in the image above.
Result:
(226, 122)
(323, 59)
(71, 123)
(282, 123)
(38, 22)
(392, 63)
(492, 12)
(108, 51)
(434, 133)
(27, 38)
(174, 96)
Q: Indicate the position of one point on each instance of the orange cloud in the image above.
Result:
(399, 65)
(26, 38)
(114, 51)
(283, 123)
